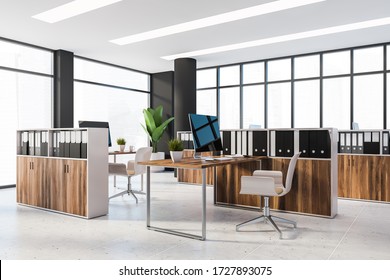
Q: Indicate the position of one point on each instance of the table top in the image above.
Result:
(192, 163)
(121, 153)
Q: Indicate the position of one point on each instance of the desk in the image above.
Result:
(195, 164)
(123, 153)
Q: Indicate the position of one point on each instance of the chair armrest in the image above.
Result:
(258, 185)
(277, 175)
(117, 169)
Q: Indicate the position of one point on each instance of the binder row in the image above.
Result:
(363, 142)
(186, 138)
(64, 143)
(277, 143)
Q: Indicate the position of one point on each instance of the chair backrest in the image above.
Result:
(290, 172)
(142, 154)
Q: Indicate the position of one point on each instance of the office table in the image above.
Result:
(188, 163)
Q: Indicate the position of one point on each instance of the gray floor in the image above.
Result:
(361, 230)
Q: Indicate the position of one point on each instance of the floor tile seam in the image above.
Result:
(251, 252)
(169, 248)
(346, 232)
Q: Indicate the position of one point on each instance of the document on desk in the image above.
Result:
(222, 158)
(234, 156)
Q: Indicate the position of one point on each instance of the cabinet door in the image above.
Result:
(31, 183)
(76, 187)
(56, 172)
(344, 176)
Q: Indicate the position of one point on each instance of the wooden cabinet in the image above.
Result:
(364, 177)
(74, 186)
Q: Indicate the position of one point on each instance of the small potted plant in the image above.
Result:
(122, 144)
(176, 149)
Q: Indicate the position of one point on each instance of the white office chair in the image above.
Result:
(268, 183)
(132, 169)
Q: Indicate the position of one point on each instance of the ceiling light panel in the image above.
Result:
(72, 9)
(285, 38)
(263, 9)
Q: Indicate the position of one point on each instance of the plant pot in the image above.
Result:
(176, 156)
(122, 148)
(156, 156)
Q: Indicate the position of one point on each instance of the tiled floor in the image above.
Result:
(361, 230)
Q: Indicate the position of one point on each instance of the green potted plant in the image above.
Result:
(176, 149)
(155, 128)
(122, 143)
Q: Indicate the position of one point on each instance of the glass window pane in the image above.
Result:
(388, 57)
(101, 73)
(253, 73)
(368, 59)
(279, 105)
(206, 102)
(307, 66)
(229, 108)
(307, 104)
(337, 63)
(368, 101)
(229, 75)
(336, 103)
(253, 106)
(279, 70)
(121, 108)
(206, 78)
(25, 103)
(388, 101)
(17, 56)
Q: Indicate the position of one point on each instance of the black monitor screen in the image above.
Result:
(205, 132)
(97, 124)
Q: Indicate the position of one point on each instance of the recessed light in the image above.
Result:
(285, 38)
(72, 9)
(263, 9)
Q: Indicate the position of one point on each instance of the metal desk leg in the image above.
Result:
(175, 232)
(148, 196)
(203, 204)
(114, 175)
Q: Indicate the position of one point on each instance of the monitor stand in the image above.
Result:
(197, 155)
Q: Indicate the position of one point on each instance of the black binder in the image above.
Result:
(284, 143)
(226, 139)
(385, 143)
(370, 146)
(341, 144)
(259, 143)
(304, 146)
(319, 143)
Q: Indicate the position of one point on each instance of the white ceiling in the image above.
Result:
(88, 35)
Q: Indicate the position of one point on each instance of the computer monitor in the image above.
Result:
(97, 124)
(205, 133)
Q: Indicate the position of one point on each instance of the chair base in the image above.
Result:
(129, 191)
(267, 218)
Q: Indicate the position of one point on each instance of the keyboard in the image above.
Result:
(234, 156)
(222, 158)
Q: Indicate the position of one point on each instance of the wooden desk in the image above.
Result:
(194, 164)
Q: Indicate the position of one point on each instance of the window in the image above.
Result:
(121, 108)
(206, 102)
(307, 104)
(388, 101)
(253, 106)
(27, 58)
(279, 70)
(337, 63)
(101, 73)
(229, 108)
(229, 75)
(206, 78)
(388, 57)
(25, 103)
(25, 98)
(253, 73)
(337, 103)
(368, 59)
(279, 105)
(307, 66)
(368, 101)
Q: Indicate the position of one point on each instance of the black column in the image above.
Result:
(162, 94)
(184, 92)
(63, 89)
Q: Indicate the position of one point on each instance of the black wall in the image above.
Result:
(162, 94)
(184, 92)
(63, 89)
